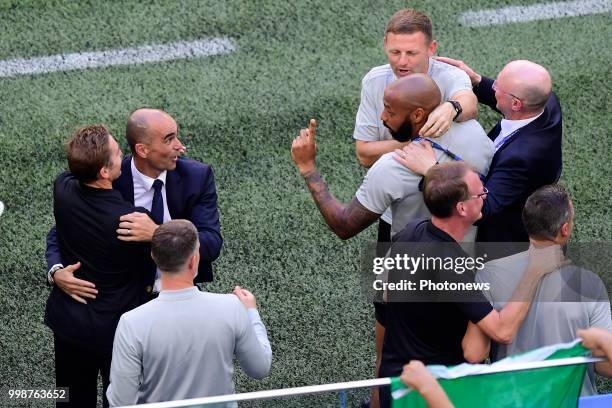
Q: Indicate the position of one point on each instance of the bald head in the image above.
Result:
(528, 81)
(414, 91)
(141, 124)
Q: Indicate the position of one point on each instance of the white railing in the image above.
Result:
(343, 386)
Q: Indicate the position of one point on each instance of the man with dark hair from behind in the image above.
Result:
(181, 345)
(449, 331)
(87, 212)
(568, 298)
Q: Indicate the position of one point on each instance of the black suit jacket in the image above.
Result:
(529, 159)
(87, 219)
(191, 195)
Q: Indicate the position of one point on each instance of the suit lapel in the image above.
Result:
(173, 193)
(125, 183)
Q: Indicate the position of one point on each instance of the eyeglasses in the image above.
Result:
(496, 89)
(482, 195)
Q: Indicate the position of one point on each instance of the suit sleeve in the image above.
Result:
(53, 252)
(507, 183)
(205, 217)
(485, 94)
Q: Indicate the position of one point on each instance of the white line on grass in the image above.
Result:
(126, 56)
(534, 12)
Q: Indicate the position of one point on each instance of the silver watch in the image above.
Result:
(53, 269)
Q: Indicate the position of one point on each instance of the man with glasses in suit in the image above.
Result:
(527, 144)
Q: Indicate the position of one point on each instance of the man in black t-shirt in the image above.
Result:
(87, 212)
(442, 326)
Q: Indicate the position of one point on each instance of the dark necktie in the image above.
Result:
(157, 205)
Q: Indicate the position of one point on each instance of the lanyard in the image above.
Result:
(439, 147)
(505, 139)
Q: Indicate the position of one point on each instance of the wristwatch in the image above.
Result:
(54, 269)
(457, 107)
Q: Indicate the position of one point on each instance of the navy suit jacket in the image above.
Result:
(191, 195)
(530, 159)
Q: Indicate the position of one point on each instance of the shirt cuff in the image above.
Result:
(51, 271)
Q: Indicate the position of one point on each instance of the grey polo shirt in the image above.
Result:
(568, 299)
(389, 184)
(181, 345)
(369, 126)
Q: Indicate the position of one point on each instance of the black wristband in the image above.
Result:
(457, 107)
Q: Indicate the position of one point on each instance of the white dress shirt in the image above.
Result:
(143, 190)
(508, 127)
(143, 197)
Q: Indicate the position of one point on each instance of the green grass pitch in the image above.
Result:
(239, 113)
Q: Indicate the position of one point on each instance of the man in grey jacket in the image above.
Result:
(181, 345)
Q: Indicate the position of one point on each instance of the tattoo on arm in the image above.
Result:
(345, 222)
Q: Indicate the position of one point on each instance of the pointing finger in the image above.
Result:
(312, 127)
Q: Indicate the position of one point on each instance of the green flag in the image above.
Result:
(541, 387)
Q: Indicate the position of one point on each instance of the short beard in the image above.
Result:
(403, 134)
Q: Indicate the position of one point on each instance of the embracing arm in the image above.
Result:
(483, 86)
(485, 93)
(476, 345)
(63, 276)
(469, 105)
(52, 253)
(370, 151)
(502, 326)
(440, 119)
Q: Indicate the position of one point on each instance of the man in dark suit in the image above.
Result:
(87, 211)
(527, 145)
(155, 178)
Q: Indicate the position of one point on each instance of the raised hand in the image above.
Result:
(246, 297)
(304, 148)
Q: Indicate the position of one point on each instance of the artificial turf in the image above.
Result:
(239, 113)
